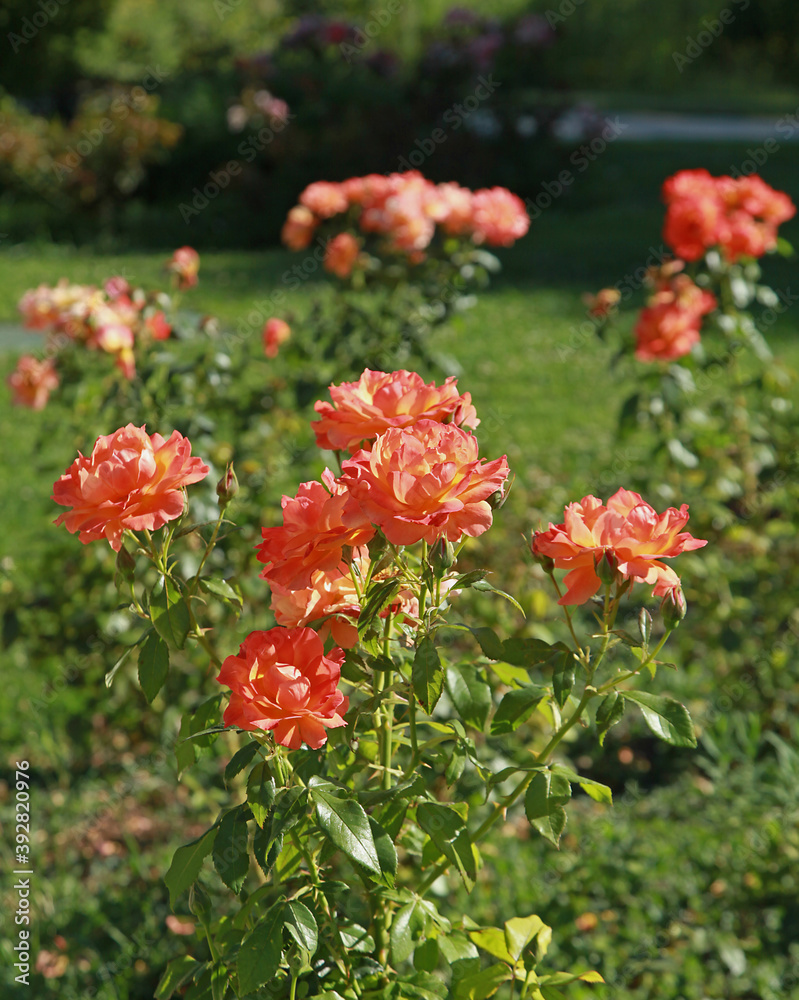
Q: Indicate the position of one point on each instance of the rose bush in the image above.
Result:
(353, 807)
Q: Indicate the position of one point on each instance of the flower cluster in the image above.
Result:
(403, 210)
(283, 681)
(740, 215)
(132, 481)
(413, 474)
(116, 318)
(625, 539)
(669, 325)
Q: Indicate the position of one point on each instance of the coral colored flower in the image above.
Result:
(629, 530)
(131, 480)
(694, 213)
(329, 593)
(452, 207)
(603, 303)
(424, 483)
(325, 199)
(32, 381)
(670, 325)
(157, 326)
(317, 526)
(275, 332)
(298, 229)
(739, 215)
(340, 254)
(753, 211)
(499, 217)
(335, 594)
(282, 682)
(185, 263)
(378, 400)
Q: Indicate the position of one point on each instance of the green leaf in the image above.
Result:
(518, 652)
(546, 795)
(301, 925)
(401, 936)
(259, 955)
(492, 940)
(483, 984)
(169, 613)
(231, 856)
(515, 708)
(186, 864)
(153, 666)
(109, 677)
(220, 977)
(470, 695)
(455, 947)
(378, 598)
(425, 956)
(346, 824)
(427, 674)
(466, 580)
(386, 852)
(667, 718)
(525, 652)
(489, 641)
(445, 825)
(610, 711)
(520, 931)
(185, 753)
(221, 588)
(595, 789)
(240, 759)
(457, 764)
(260, 792)
(485, 585)
(565, 666)
(177, 973)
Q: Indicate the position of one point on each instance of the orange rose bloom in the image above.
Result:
(694, 213)
(185, 263)
(669, 326)
(131, 481)
(329, 593)
(499, 217)
(275, 333)
(424, 483)
(282, 682)
(298, 229)
(452, 207)
(628, 530)
(340, 255)
(317, 526)
(740, 215)
(378, 400)
(334, 593)
(325, 199)
(32, 381)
